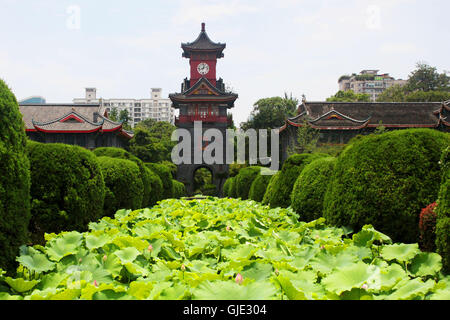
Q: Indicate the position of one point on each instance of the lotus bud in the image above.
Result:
(104, 258)
(95, 283)
(277, 272)
(322, 247)
(150, 248)
(239, 278)
(183, 268)
(79, 260)
(364, 286)
(228, 228)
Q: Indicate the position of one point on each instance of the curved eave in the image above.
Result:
(67, 131)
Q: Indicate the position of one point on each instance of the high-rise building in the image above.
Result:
(155, 107)
(368, 82)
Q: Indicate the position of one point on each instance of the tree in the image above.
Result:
(124, 118)
(152, 142)
(113, 114)
(307, 138)
(396, 93)
(426, 78)
(424, 84)
(270, 113)
(349, 96)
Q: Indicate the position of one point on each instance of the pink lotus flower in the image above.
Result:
(95, 283)
(239, 278)
(228, 228)
(150, 248)
(322, 247)
(364, 286)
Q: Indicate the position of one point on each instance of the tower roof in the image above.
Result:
(201, 44)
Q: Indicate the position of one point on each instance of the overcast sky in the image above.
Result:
(56, 48)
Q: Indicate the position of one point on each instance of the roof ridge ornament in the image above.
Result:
(203, 27)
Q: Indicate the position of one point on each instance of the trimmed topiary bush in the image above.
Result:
(270, 187)
(165, 175)
(14, 180)
(156, 187)
(244, 180)
(67, 188)
(232, 189)
(227, 187)
(124, 187)
(258, 187)
(178, 189)
(443, 213)
(310, 187)
(119, 153)
(427, 228)
(385, 180)
(281, 189)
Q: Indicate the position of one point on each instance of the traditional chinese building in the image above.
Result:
(338, 122)
(81, 125)
(203, 99)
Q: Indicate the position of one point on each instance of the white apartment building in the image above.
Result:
(368, 82)
(154, 107)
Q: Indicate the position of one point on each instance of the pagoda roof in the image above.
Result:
(358, 115)
(203, 91)
(68, 118)
(203, 43)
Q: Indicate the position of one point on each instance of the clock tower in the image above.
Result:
(203, 100)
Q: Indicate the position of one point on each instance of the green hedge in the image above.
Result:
(227, 187)
(443, 213)
(67, 188)
(165, 175)
(124, 187)
(232, 189)
(258, 187)
(14, 180)
(270, 187)
(281, 189)
(178, 189)
(310, 187)
(244, 180)
(209, 189)
(119, 153)
(385, 180)
(156, 187)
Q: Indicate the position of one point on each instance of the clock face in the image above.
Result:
(203, 68)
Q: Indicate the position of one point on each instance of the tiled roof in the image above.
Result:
(67, 118)
(203, 42)
(356, 115)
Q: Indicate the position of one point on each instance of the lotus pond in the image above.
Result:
(219, 249)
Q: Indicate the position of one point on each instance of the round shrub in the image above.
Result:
(14, 180)
(144, 174)
(67, 188)
(123, 186)
(258, 187)
(443, 213)
(270, 187)
(227, 187)
(385, 180)
(232, 188)
(156, 187)
(280, 194)
(244, 180)
(178, 189)
(165, 175)
(310, 187)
